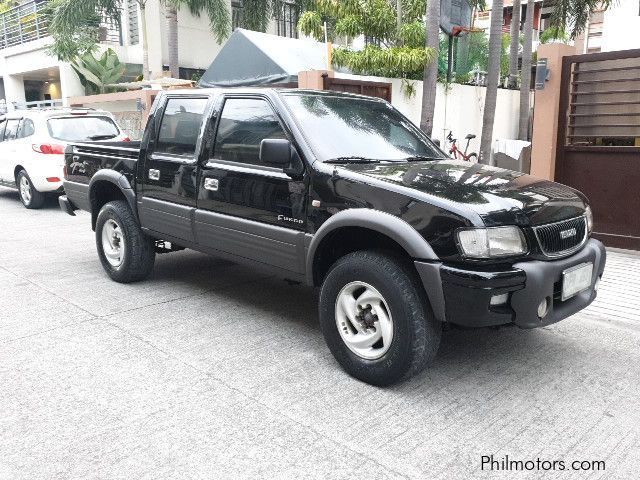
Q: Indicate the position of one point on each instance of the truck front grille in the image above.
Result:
(562, 238)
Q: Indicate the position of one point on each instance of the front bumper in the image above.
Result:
(463, 297)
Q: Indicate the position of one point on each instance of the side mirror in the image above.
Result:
(274, 151)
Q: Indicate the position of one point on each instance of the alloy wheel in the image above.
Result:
(113, 244)
(364, 320)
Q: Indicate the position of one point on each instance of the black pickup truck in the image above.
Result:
(344, 193)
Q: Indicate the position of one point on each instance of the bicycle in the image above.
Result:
(455, 151)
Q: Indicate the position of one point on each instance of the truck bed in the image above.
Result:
(83, 160)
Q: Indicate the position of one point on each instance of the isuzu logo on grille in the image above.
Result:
(571, 232)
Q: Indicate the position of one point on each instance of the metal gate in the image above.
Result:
(599, 140)
(363, 87)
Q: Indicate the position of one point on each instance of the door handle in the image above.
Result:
(154, 174)
(211, 184)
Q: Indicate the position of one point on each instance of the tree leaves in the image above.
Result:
(100, 72)
(385, 62)
(391, 51)
(574, 14)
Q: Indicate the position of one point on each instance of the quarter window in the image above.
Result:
(243, 125)
(180, 126)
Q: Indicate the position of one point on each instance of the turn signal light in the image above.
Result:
(49, 149)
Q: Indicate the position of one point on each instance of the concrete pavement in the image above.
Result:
(213, 370)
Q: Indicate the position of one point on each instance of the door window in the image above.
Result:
(11, 130)
(26, 128)
(180, 126)
(3, 124)
(244, 123)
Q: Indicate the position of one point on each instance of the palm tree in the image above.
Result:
(523, 122)
(515, 43)
(493, 78)
(432, 22)
(219, 21)
(142, 4)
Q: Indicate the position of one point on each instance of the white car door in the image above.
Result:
(7, 149)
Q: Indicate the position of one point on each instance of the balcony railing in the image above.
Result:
(22, 24)
(27, 22)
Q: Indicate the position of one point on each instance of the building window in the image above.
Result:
(287, 20)
(132, 20)
(236, 14)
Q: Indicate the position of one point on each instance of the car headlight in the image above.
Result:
(491, 242)
(589, 214)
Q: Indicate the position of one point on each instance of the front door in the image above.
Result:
(169, 189)
(246, 208)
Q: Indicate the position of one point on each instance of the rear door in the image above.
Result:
(246, 208)
(8, 150)
(168, 197)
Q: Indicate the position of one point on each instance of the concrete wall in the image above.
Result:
(621, 27)
(459, 108)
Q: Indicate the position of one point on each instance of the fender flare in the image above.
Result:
(117, 179)
(389, 225)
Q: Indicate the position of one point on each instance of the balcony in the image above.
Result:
(22, 24)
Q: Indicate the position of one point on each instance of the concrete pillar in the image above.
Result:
(312, 79)
(155, 20)
(14, 89)
(545, 118)
(70, 85)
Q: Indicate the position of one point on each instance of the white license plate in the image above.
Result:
(576, 279)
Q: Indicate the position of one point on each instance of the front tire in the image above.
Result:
(127, 254)
(376, 319)
(29, 196)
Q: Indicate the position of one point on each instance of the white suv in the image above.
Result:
(32, 144)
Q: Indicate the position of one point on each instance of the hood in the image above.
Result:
(497, 195)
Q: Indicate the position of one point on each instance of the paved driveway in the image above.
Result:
(211, 370)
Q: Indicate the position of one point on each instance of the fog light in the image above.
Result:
(543, 308)
(499, 299)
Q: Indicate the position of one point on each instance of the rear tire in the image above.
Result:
(473, 157)
(29, 196)
(127, 254)
(395, 298)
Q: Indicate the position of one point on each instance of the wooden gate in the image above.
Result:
(599, 140)
(362, 87)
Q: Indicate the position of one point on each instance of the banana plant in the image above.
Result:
(99, 72)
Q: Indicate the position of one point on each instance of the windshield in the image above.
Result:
(82, 128)
(346, 128)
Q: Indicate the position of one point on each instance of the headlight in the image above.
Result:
(491, 242)
(589, 214)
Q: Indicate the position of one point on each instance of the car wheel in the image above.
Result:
(29, 196)
(126, 252)
(376, 319)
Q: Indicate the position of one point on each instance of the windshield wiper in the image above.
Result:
(101, 137)
(352, 159)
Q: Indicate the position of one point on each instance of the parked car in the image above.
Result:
(32, 144)
(344, 193)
